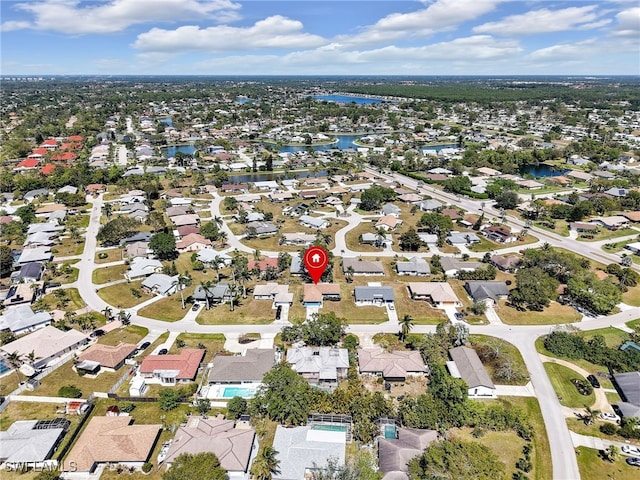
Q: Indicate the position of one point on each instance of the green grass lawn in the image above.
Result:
(73, 301)
(632, 297)
(486, 245)
(66, 376)
(128, 334)
(120, 295)
(168, 309)
(593, 467)
(633, 323)
(555, 313)
(109, 274)
(249, 311)
(593, 430)
(567, 393)
(605, 234)
(613, 337)
(507, 351)
(70, 276)
(212, 342)
(68, 247)
(112, 255)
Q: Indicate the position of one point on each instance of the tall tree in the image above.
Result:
(163, 246)
(266, 464)
(406, 324)
(201, 466)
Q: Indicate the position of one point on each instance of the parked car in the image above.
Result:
(593, 381)
(97, 333)
(278, 312)
(195, 307)
(144, 346)
(634, 461)
(610, 416)
(392, 306)
(163, 351)
(459, 316)
(630, 450)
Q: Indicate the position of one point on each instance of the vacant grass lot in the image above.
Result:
(555, 313)
(613, 337)
(168, 309)
(567, 393)
(109, 274)
(69, 277)
(68, 247)
(507, 351)
(212, 342)
(66, 376)
(593, 467)
(128, 334)
(632, 297)
(486, 245)
(73, 301)
(249, 311)
(120, 295)
(113, 255)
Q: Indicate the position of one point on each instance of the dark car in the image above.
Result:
(634, 461)
(195, 307)
(97, 333)
(593, 381)
(278, 312)
(144, 346)
(163, 351)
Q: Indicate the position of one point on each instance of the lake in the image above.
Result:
(348, 99)
(167, 121)
(344, 142)
(171, 151)
(542, 170)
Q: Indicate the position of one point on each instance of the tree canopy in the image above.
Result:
(202, 466)
(163, 246)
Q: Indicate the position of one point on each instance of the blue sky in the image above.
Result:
(307, 37)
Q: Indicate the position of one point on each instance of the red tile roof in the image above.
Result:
(187, 229)
(187, 363)
(63, 157)
(39, 152)
(28, 163)
(263, 264)
(75, 138)
(47, 169)
(49, 141)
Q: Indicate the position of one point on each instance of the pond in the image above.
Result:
(348, 99)
(542, 170)
(171, 151)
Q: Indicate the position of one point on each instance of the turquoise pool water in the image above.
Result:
(244, 392)
(330, 428)
(3, 366)
(389, 431)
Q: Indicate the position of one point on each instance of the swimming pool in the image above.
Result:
(330, 428)
(389, 431)
(4, 368)
(244, 392)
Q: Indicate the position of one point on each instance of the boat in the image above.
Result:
(163, 451)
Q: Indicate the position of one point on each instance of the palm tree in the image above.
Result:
(349, 273)
(107, 313)
(216, 266)
(222, 237)
(107, 208)
(256, 255)
(15, 361)
(124, 317)
(588, 415)
(206, 286)
(233, 290)
(217, 220)
(183, 281)
(266, 465)
(406, 324)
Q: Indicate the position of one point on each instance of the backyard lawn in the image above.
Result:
(129, 334)
(112, 255)
(555, 313)
(66, 376)
(593, 467)
(70, 302)
(567, 393)
(65, 273)
(122, 296)
(68, 247)
(109, 274)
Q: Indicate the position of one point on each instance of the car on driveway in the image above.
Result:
(630, 450)
(163, 351)
(392, 306)
(144, 346)
(195, 307)
(593, 381)
(612, 417)
(458, 316)
(634, 461)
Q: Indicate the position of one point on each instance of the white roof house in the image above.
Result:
(322, 364)
(24, 442)
(143, 267)
(21, 319)
(313, 222)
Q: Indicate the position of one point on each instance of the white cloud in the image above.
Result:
(272, 32)
(544, 21)
(567, 51)
(628, 23)
(69, 16)
(12, 25)
(439, 16)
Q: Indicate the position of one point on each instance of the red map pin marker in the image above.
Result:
(316, 260)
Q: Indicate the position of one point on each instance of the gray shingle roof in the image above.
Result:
(248, 368)
(21, 443)
(481, 289)
(363, 294)
(470, 367)
(629, 385)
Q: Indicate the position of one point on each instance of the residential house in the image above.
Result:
(160, 284)
(108, 356)
(429, 239)
(192, 242)
(262, 228)
(136, 250)
(489, 172)
(303, 449)
(235, 188)
(428, 205)
(28, 273)
(266, 185)
(466, 364)
(391, 209)
(487, 291)
(394, 454)
(628, 386)
(500, 234)
(357, 266)
(262, 265)
(373, 295)
(140, 266)
(220, 293)
(529, 184)
(235, 444)
(19, 294)
(172, 369)
(302, 239)
(388, 222)
(113, 440)
(315, 294)
(393, 366)
(451, 266)
(21, 319)
(462, 238)
(38, 254)
(506, 263)
(583, 227)
(314, 222)
(48, 345)
(376, 239)
(613, 222)
(178, 211)
(280, 196)
(247, 369)
(188, 219)
(439, 294)
(410, 198)
(208, 257)
(320, 365)
(185, 230)
(272, 291)
(415, 266)
(40, 239)
(31, 442)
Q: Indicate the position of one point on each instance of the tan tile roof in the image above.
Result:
(107, 355)
(394, 364)
(112, 439)
(315, 293)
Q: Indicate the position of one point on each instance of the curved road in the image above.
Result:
(565, 466)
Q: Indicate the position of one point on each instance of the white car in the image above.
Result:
(630, 450)
(610, 416)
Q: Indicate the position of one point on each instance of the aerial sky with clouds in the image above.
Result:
(320, 37)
